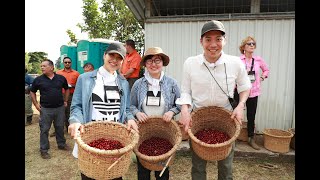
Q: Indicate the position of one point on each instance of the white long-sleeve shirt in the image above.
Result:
(198, 87)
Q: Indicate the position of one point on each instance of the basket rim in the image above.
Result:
(266, 133)
(292, 130)
(232, 139)
(120, 151)
(165, 155)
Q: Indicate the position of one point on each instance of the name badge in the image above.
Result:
(252, 76)
(112, 94)
(153, 101)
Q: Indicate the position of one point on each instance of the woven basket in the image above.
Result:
(243, 136)
(277, 140)
(216, 118)
(94, 162)
(185, 135)
(157, 127)
(292, 142)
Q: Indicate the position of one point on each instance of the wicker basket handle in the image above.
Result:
(165, 167)
(114, 163)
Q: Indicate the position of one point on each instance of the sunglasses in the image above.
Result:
(251, 44)
(67, 62)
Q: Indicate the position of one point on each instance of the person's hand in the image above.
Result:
(168, 116)
(38, 107)
(185, 120)
(142, 117)
(123, 75)
(132, 125)
(75, 129)
(65, 103)
(27, 90)
(237, 113)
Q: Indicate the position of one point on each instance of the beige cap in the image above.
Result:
(156, 51)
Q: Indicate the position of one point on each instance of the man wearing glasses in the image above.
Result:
(71, 75)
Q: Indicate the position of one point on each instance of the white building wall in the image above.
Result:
(275, 43)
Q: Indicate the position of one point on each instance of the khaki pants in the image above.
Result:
(198, 171)
(27, 107)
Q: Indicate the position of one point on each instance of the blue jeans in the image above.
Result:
(198, 170)
(47, 116)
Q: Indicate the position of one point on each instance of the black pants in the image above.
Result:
(131, 81)
(144, 173)
(251, 112)
(84, 177)
(67, 111)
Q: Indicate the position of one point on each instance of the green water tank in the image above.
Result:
(70, 51)
(91, 51)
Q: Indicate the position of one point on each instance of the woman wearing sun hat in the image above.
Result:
(154, 95)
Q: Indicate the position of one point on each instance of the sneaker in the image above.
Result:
(53, 134)
(45, 155)
(65, 148)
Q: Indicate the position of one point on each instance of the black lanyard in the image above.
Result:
(252, 64)
(216, 80)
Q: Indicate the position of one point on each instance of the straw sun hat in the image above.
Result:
(156, 51)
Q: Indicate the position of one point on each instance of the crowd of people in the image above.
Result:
(116, 92)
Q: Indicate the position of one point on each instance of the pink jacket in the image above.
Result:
(258, 64)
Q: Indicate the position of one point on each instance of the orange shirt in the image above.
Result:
(132, 60)
(71, 77)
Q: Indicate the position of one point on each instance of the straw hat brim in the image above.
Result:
(165, 58)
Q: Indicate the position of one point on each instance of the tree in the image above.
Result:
(72, 36)
(33, 60)
(26, 61)
(58, 63)
(113, 20)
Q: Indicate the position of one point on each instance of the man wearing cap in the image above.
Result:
(102, 95)
(88, 67)
(209, 80)
(130, 67)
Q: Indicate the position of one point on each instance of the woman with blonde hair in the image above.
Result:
(253, 64)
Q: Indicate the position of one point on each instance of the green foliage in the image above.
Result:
(33, 61)
(58, 63)
(26, 61)
(72, 36)
(113, 20)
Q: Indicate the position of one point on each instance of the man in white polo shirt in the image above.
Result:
(209, 79)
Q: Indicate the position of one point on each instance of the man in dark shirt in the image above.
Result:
(52, 105)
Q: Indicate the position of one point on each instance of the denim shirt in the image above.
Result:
(168, 87)
(28, 80)
(81, 105)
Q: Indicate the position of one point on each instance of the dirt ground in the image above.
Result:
(63, 165)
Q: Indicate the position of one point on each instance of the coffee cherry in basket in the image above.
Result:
(212, 136)
(155, 146)
(106, 144)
